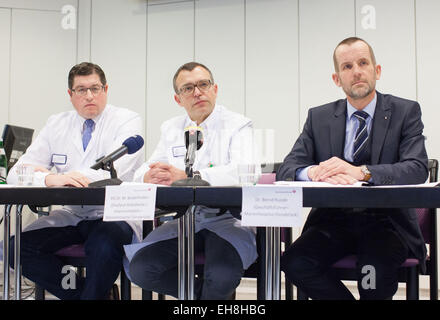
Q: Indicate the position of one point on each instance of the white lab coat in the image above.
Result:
(59, 145)
(227, 142)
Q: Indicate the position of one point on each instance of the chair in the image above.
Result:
(75, 256)
(345, 268)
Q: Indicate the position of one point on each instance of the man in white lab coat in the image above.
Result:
(229, 248)
(62, 154)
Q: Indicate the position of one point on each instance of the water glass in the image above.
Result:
(247, 174)
(25, 174)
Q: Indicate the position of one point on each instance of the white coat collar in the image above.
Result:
(210, 123)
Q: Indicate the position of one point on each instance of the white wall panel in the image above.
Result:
(5, 34)
(84, 13)
(272, 71)
(323, 24)
(118, 45)
(42, 53)
(219, 43)
(393, 42)
(170, 43)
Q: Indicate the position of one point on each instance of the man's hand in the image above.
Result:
(341, 178)
(334, 170)
(74, 179)
(163, 173)
(40, 169)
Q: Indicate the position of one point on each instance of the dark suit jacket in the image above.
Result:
(398, 154)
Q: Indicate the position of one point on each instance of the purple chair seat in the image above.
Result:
(349, 262)
(75, 250)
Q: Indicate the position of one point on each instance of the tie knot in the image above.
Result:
(90, 123)
(361, 115)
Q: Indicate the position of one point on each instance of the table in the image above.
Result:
(19, 196)
(230, 197)
(332, 197)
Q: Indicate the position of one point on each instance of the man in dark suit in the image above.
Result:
(370, 137)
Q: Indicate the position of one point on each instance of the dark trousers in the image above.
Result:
(103, 245)
(155, 267)
(379, 249)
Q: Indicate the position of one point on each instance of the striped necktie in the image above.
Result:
(361, 152)
(87, 134)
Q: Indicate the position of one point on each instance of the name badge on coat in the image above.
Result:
(59, 158)
(179, 151)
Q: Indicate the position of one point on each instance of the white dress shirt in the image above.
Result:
(227, 142)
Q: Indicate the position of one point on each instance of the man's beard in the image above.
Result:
(359, 93)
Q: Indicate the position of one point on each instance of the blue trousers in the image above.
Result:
(103, 245)
(154, 267)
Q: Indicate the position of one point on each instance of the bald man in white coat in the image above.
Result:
(229, 248)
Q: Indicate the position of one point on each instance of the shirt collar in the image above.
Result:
(81, 120)
(370, 108)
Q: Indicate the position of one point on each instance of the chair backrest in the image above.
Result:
(424, 218)
(270, 167)
(425, 215)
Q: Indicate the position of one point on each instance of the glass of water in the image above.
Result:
(25, 174)
(247, 174)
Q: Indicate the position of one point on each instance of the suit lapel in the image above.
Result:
(381, 122)
(337, 129)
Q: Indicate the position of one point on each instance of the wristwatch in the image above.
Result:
(197, 175)
(366, 172)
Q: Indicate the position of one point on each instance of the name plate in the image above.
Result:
(130, 202)
(272, 206)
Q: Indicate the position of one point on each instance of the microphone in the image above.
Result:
(130, 145)
(193, 142)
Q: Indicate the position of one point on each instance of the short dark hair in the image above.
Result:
(190, 66)
(349, 41)
(85, 69)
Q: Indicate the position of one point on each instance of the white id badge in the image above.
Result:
(59, 158)
(179, 151)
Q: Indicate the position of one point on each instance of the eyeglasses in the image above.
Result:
(95, 90)
(188, 89)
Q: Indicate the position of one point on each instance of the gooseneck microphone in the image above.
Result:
(130, 145)
(193, 142)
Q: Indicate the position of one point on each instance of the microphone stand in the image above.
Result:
(191, 181)
(186, 230)
(107, 166)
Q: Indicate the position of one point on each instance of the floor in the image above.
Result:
(246, 291)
